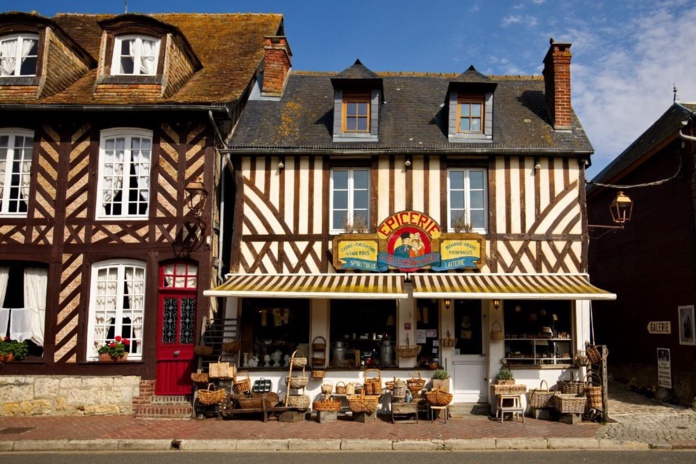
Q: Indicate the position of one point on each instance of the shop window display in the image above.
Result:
(362, 333)
(427, 336)
(538, 333)
(272, 329)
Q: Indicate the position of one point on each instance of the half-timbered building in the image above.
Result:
(109, 125)
(409, 221)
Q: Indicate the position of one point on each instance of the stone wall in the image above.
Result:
(67, 395)
(683, 389)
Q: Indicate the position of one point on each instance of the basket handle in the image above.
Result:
(240, 373)
(541, 385)
(297, 353)
(318, 337)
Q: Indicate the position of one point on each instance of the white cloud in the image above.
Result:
(623, 78)
(529, 21)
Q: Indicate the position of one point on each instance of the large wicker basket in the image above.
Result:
(199, 377)
(415, 384)
(327, 404)
(319, 343)
(571, 387)
(373, 385)
(211, 395)
(593, 393)
(242, 383)
(408, 350)
(496, 332)
(203, 350)
(541, 398)
(231, 346)
(363, 403)
(570, 404)
(258, 400)
(298, 401)
(438, 397)
(298, 359)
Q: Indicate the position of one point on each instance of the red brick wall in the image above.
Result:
(557, 78)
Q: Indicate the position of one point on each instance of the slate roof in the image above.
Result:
(413, 117)
(667, 127)
(229, 47)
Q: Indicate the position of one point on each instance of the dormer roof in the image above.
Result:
(357, 75)
(474, 81)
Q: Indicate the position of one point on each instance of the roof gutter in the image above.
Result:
(404, 150)
(62, 107)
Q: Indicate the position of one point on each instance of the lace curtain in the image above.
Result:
(113, 170)
(4, 312)
(8, 53)
(35, 285)
(147, 57)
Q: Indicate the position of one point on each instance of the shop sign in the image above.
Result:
(408, 241)
(659, 327)
(664, 368)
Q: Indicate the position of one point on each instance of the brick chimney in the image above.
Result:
(276, 65)
(557, 83)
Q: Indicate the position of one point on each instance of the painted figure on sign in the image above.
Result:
(404, 250)
(417, 246)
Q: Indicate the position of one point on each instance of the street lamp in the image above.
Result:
(620, 208)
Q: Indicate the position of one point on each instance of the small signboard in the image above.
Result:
(660, 327)
(664, 368)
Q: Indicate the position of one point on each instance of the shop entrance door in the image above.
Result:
(470, 358)
(176, 328)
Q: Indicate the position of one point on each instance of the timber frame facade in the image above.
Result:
(338, 175)
(118, 116)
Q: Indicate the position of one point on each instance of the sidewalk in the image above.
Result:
(665, 427)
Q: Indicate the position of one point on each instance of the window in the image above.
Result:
(350, 200)
(467, 200)
(124, 173)
(135, 55)
(117, 306)
(23, 303)
(18, 55)
(16, 153)
(356, 113)
(469, 115)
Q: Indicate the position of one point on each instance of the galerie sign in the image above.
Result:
(408, 241)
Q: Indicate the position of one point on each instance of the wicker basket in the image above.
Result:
(298, 401)
(258, 401)
(408, 350)
(232, 346)
(593, 393)
(327, 404)
(202, 350)
(593, 353)
(581, 359)
(541, 398)
(341, 387)
(363, 403)
(242, 383)
(399, 391)
(570, 404)
(212, 396)
(298, 381)
(448, 342)
(571, 387)
(221, 370)
(438, 397)
(415, 384)
(199, 377)
(318, 362)
(318, 374)
(509, 389)
(297, 360)
(326, 388)
(375, 383)
(496, 332)
(319, 343)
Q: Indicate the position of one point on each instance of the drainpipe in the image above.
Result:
(223, 191)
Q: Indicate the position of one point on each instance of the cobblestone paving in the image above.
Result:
(635, 417)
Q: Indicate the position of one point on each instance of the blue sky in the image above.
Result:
(627, 55)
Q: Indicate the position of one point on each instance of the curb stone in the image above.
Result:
(145, 445)
(262, 445)
(521, 443)
(573, 443)
(366, 445)
(622, 445)
(39, 445)
(91, 445)
(418, 445)
(299, 444)
(207, 445)
(463, 444)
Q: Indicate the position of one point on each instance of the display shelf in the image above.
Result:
(538, 351)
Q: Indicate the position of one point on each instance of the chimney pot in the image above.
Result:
(557, 84)
(276, 65)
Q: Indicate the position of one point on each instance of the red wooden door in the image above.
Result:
(178, 283)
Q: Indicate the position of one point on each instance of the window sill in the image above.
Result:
(19, 81)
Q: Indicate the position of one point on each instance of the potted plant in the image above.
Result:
(116, 350)
(12, 350)
(504, 375)
(441, 380)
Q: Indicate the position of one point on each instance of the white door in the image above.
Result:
(470, 358)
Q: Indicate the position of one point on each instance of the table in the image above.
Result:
(405, 409)
(432, 410)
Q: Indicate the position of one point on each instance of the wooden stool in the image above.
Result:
(439, 408)
(511, 403)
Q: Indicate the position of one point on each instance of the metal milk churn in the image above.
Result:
(339, 354)
(386, 353)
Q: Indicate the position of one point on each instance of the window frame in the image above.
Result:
(467, 198)
(136, 55)
(471, 100)
(136, 342)
(350, 208)
(21, 36)
(128, 134)
(356, 98)
(5, 196)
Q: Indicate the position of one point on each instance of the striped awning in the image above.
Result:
(508, 286)
(355, 286)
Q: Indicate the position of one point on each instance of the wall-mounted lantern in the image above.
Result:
(621, 209)
(197, 195)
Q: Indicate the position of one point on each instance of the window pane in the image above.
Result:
(351, 109)
(351, 124)
(456, 180)
(126, 46)
(476, 110)
(340, 179)
(477, 219)
(360, 200)
(476, 125)
(464, 125)
(339, 219)
(361, 179)
(362, 124)
(476, 199)
(362, 108)
(476, 179)
(127, 65)
(456, 200)
(464, 109)
(28, 67)
(340, 200)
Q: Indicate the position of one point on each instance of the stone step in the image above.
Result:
(462, 410)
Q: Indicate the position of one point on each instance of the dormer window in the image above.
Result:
(356, 112)
(470, 114)
(135, 55)
(18, 55)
